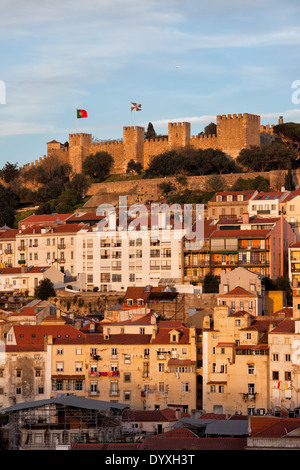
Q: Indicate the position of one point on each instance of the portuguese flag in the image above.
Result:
(81, 113)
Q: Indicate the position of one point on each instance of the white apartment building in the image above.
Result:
(50, 246)
(267, 204)
(115, 260)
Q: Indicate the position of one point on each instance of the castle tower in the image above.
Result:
(133, 142)
(179, 134)
(238, 131)
(79, 149)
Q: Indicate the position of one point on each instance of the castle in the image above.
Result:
(233, 133)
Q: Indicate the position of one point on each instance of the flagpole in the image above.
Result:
(76, 122)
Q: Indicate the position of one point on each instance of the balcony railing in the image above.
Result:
(22, 261)
(61, 246)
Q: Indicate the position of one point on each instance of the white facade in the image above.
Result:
(114, 260)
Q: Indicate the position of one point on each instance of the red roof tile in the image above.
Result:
(240, 233)
(34, 334)
(237, 291)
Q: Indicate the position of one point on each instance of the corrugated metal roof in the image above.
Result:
(71, 400)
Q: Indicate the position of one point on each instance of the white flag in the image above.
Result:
(136, 107)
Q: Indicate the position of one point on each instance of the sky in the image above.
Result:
(181, 60)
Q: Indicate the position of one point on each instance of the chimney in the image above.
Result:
(245, 218)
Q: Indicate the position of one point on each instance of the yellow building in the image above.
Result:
(235, 363)
(144, 364)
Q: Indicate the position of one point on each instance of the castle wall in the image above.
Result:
(154, 147)
(115, 149)
(238, 131)
(234, 132)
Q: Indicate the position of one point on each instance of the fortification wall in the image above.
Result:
(234, 132)
(153, 147)
(115, 149)
(145, 190)
(237, 131)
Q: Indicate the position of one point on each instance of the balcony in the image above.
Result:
(22, 261)
(61, 260)
(249, 396)
(114, 393)
(8, 251)
(61, 246)
(21, 247)
(264, 211)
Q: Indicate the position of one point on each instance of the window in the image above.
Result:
(251, 389)
(161, 387)
(114, 353)
(161, 367)
(248, 336)
(287, 375)
(142, 331)
(78, 385)
(212, 389)
(237, 322)
(78, 366)
(38, 372)
(185, 387)
(221, 388)
(287, 357)
(275, 357)
(59, 367)
(18, 373)
(127, 395)
(251, 369)
(275, 375)
(18, 391)
(127, 377)
(78, 351)
(127, 359)
(114, 388)
(59, 351)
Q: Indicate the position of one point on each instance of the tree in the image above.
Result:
(150, 134)
(134, 167)
(211, 284)
(258, 183)
(79, 184)
(44, 290)
(9, 172)
(8, 205)
(210, 129)
(98, 166)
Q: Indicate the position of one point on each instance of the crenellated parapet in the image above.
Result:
(233, 133)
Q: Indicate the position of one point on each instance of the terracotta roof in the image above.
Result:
(118, 339)
(34, 334)
(240, 233)
(33, 269)
(295, 245)
(164, 329)
(285, 326)
(9, 234)
(248, 194)
(238, 291)
(292, 195)
(165, 415)
(42, 218)
(268, 195)
(240, 313)
(273, 427)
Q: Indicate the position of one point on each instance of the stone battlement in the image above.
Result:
(239, 116)
(233, 133)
